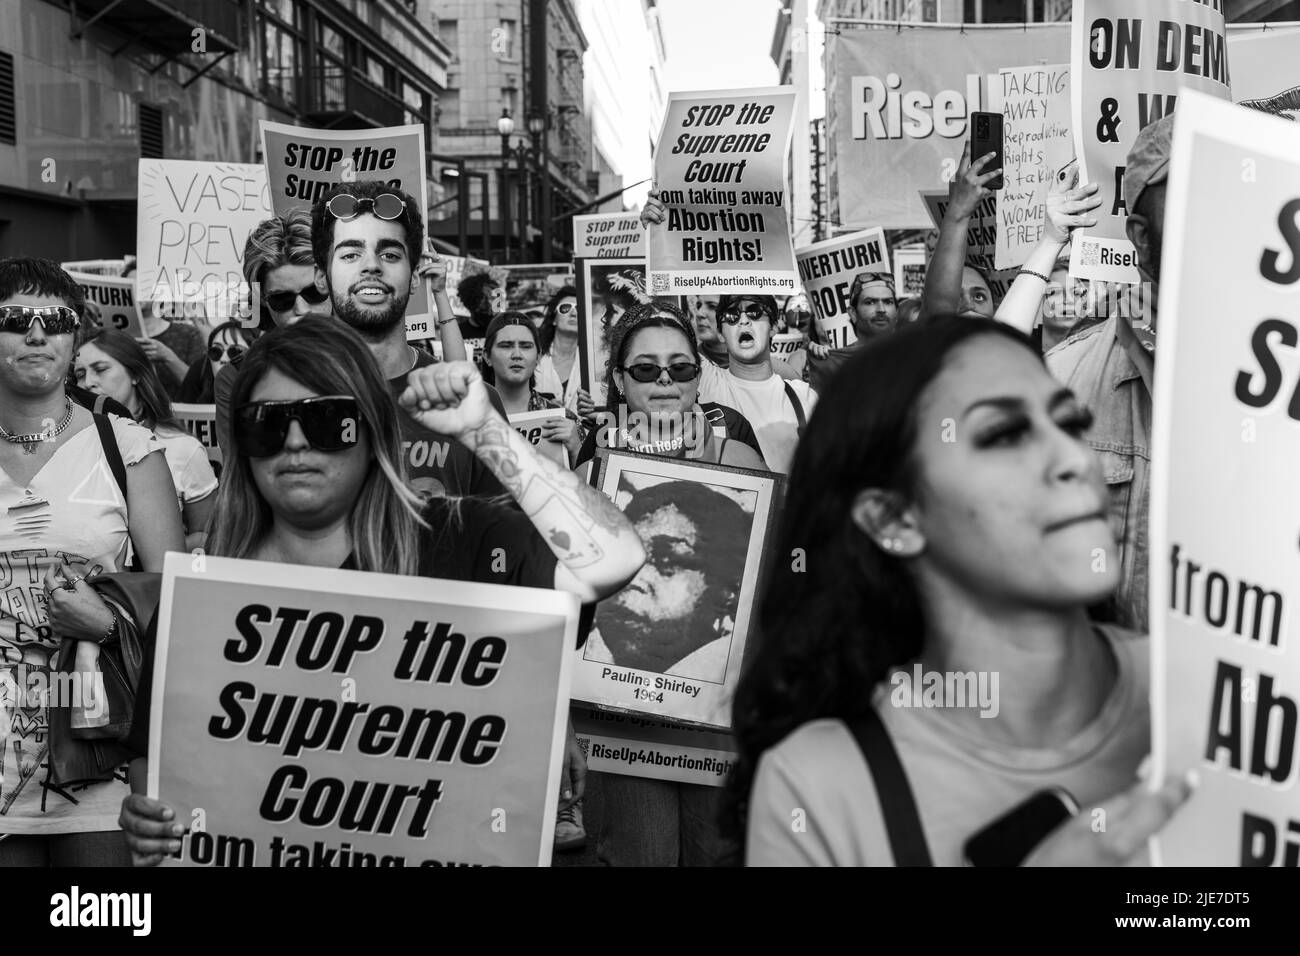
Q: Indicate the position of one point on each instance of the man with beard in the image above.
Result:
(675, 616)
(875, 307)
(366, 239)
(775, 407)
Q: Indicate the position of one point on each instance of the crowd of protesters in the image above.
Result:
(966, 555)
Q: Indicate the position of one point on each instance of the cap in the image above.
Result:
(1148, 160)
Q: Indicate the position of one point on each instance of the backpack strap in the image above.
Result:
(100, 401)
(798, 407)
(111, 452)
(902, 823)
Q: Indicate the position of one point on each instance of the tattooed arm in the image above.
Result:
(597, 547)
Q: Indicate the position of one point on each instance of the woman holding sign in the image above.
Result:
(110, 363)
(316, 478)
(956, 520)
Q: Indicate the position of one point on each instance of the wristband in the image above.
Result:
(1036, 275)
(439, 323)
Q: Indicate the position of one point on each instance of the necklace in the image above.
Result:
(29, 442)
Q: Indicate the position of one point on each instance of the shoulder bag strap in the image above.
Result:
(111, 451)
(903, 824)
(798, 408)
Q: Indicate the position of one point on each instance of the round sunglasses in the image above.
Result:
(328, 424)
(233, 352)
(345, 207)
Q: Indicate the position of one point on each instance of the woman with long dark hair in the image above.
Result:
(317, 479)
(226, 345)
(952, 524)
(557, 368)
(110, 363)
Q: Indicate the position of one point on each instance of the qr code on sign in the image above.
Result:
(584, 744)
(1090, 254)
(658, 283)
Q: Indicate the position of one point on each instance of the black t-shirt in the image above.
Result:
(735, 426)
(468, 539)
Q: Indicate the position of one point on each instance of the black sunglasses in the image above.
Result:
(284, 301)
(215, 352)
(649, 372)
(345, 207)
(328, 424)
(753, 312)
(55, 319)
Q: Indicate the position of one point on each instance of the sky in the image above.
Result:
(719, 44)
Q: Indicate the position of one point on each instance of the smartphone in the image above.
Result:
(986, 137)
(1012, 837)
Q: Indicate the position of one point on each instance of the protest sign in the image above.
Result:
(827, 270)
(1265, 68)
(672, 642)
(1129, 59)
(529, 425)
(654, 749)
(201, 422)
(612, 235)
(981, 229)
(606, 288)
(1035, 105)
(720, 168)
(302, 164)
(1225, 571)
(95, 267)
(530, 286)
(909, 271)
(458, 267)
(785, 344)
(897, 103)
(310, 716)
(115, 298)
(192, 222)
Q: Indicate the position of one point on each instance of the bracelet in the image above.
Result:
(111, 630)
(439, 323)
(1036, 275)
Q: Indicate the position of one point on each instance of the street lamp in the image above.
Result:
(506, 126)
(537, 125)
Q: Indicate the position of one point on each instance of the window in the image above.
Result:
(449, 107)
(149, 119)
(503, 40)
(447, 32)
(510, 100)
(376, 71)
(8, 114)
(330, 40)
(280, 58)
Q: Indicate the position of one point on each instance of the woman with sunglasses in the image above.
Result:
(944, 567)
(278, 263)
(61, 513)
(226, 344)
(316, 478)
(510, 353)
(110, 363)
(557, 369)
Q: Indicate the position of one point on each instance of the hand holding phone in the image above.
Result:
(986, 137)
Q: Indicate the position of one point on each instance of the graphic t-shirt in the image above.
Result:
(72, 507)
(767, 407)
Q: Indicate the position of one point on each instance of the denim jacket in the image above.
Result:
(1096, 365)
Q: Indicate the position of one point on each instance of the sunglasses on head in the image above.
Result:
(215, 352)
(284, 301)
(649, 372)
(346, 208)
(752, 312)
(55, 319)
(328, 424)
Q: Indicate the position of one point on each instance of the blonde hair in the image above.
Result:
(329, 358)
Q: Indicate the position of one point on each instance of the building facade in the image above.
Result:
(88, 88)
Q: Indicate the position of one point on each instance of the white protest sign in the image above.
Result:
(612, 235)
(342, 718)
(1129, 61)
(634, 746)
(909, 271)
(201, 422)
(192, 222)
(981, 228)
(785, 344)
(1225, 569)
(827, 270)
(1035, 106)
(114, 296)
(530, 426)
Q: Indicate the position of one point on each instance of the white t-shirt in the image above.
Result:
(961, 781)
(191, 470)
(767, 407)
(72, 507)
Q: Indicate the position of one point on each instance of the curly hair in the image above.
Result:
(829, 630)
(473, 294)
(278, 241)
(322, 223)
(647, 315)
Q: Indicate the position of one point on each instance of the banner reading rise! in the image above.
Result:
(897, 108)
(304, 716)
(1129, 60)
(720, 170)
(828, 269)
(302, 164)
(1225, 569)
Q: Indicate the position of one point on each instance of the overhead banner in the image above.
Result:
(201, 422)
(897, 104)
(1265, 61)
(1035, 105)
(720, 168)
(634, 746)
(827, 270)
(1129, 60)
(612, 235)
(114, 296)
(302, 164)
(192, 222)
(1225, 570)
(308, 716)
